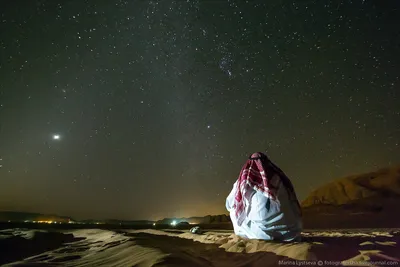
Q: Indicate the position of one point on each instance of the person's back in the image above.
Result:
(265, 206)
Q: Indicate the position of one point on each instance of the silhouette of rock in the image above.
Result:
(365, 200)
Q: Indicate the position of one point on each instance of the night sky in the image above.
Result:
(149, 109)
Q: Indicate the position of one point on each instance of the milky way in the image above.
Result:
(148, 109)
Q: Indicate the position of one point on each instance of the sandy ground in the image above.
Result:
(142, 248)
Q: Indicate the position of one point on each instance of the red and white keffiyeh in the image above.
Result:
(257, 173)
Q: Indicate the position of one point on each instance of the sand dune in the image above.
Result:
(232, 243)
(157, 248)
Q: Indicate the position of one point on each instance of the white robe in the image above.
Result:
(267, 219)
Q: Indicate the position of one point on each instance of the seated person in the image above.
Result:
(263, 203)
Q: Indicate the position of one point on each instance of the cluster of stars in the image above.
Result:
(121, 96)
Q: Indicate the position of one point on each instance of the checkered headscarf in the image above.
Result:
(257, 173)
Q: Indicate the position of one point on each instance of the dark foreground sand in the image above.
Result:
(95, 247)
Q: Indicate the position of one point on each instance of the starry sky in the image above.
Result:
(149, 109)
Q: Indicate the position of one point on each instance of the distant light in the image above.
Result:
(154, 224)
(56, 137)
(173, 223)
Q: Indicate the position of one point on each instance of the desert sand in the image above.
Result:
(94, 247)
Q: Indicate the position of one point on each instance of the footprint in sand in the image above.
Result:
(41, 258)
(72, 250)
(386, 243)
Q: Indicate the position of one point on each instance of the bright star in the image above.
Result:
(56, 137)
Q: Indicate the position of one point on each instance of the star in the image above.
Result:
(56, 137)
